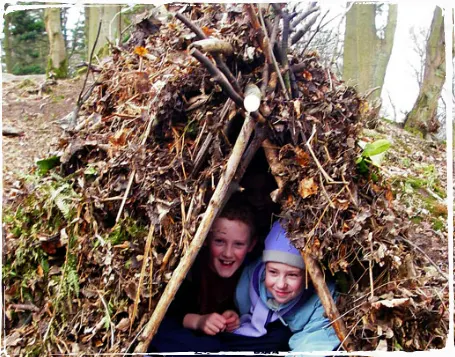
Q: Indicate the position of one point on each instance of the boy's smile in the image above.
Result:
(229, 243)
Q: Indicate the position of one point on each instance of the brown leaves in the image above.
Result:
(307, 187)
(119, 138)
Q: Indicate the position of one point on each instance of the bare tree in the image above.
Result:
(422, 117)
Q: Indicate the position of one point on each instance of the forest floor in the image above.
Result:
(415, 168)
(37, 116)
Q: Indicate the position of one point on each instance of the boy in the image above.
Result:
(274, 290)
(204, 305)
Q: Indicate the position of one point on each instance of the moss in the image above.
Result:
(416, 219)
(57, 72)
(26, 83)
(414, 131)
(438, 225)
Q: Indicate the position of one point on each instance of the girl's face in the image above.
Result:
(283, 281)
(229, 242)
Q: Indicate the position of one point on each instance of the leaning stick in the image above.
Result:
(327, 301)
(186, 262)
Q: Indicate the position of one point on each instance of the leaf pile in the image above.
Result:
(92, 243)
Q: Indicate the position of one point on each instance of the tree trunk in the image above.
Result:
(366, 54)
(57, 65)
(105, 14)
(7, 45)
(422, 118)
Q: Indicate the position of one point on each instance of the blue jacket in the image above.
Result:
(304, 315)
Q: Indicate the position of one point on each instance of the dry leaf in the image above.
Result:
(391, 303)
(207, 31)
(141, 51)
(302, 157)
(307, 75)
(307, 187)
(119, 138)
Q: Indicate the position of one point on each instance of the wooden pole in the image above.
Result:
(325, 296)
(186, 262)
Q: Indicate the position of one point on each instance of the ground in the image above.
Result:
(37, 115)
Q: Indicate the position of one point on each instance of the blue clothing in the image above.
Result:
(304, 315)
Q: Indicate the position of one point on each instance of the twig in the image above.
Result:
(151, 121)
(219, 61)
(224, 83)
(326, 175)
(318, 28)
(370, 266)
(111, 325)
(141, 278)
(272, 56)
(213, 45)
(325, 192)
(284, 50)
(218, 76)
(425, 255)
(300, 33)
(304, 15)
(25, 307)
(79, 99)
(185, 263)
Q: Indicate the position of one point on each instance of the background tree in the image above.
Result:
(422, 117)
(57, 65)
(367, 48)
(107, 15)
(7, 44)
(27, 46)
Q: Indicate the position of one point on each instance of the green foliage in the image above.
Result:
(45, 165)
(376, 148)
(28, 41)
(370, 156)
(125, 230)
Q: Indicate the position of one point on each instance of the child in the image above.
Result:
(274, 289)
(204, 304)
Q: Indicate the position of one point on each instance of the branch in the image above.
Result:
(222, 80)
(327, 302)
(319, 27)
(219, 61)
(272, 57)
(210, 214)
(79, 99)
(218, 76)
(213, 46)
(313, 7)
(299, 34)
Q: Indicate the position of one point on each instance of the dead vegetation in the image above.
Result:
(96, 233)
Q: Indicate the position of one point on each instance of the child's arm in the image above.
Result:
(210, 324)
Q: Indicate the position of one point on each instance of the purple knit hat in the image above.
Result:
(279, 249)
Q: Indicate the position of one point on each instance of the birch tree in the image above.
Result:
(57, 65)
(422, 118)
(110, 21)
(367, 48)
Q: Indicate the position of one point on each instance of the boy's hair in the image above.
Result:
(238, 209)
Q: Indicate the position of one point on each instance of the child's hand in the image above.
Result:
(211, 324)
(232, 320)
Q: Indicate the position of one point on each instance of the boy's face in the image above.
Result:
(229, 243)
(283, 281)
